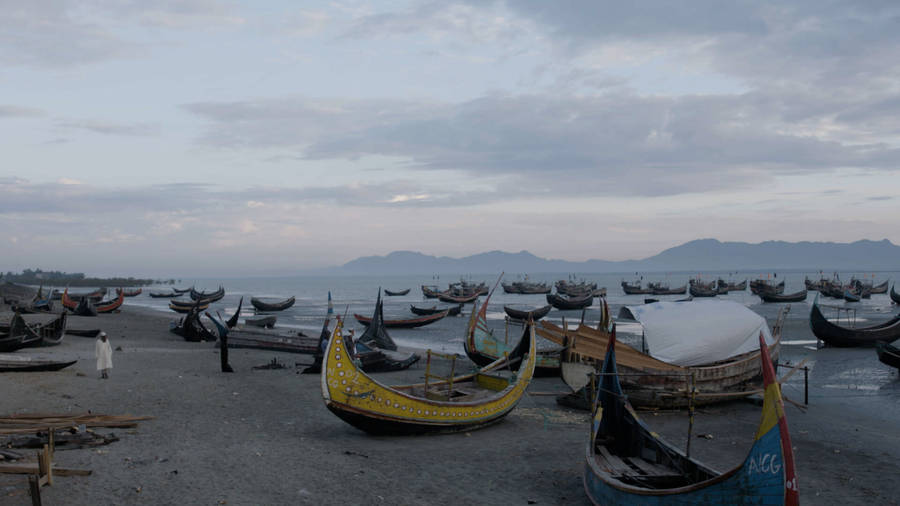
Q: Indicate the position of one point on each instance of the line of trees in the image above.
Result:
(59, 278)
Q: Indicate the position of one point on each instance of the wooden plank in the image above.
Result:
(651, 468)
(35, 469)
(617, 465)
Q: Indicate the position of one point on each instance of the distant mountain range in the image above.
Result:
(698, 255)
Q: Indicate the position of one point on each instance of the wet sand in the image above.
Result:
(265, 436)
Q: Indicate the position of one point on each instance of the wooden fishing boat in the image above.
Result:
(627, 463)
(129, 293)
(564, 303)
(880, 288)
(184, 309)
(23, 364)
(894, 295)
(633, 289)
(262, 305)
(650, 382)
(267, 340)
(164, 295)
(664, 290)
(95, 295)
(50, 333)
(404, 324)
(191, 328)
(533, 315)
(423, 311)
(526, 288)
(835, 335)
(850, 296)
(233, 321)
(16, 335)
(83, 333)
(182, 291)
(267, 321)
(374, 360)
(483, 348)
(791, 297)
(431, 291)
(376, 334)
(461, 403)
(737, 287)
(86, 308)
(889, 353)
(396, 293)
(462, 299)
(699, 291)
(762, 285)
(208, 296)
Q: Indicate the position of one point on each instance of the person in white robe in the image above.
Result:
(103, 351)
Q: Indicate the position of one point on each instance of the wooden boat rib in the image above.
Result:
(835, 335)
(465, 403)
(791, 297)
(565, 303)
(627, 463)
(404, 324)
(653, 383)
(424, 311)
(395, 293)
(533, 315)
(889, 353)
(262, 305)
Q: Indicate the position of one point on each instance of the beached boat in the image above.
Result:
(191, 328)
(50, 333)
(233, 321)
(129, 293)
(791, 297)
(408, 323)
(15, 334)
(374, 360)
(894, 295)
(721, 375)
(164, 295)
(187, 308)
(267, 340)
(208, 296)
(396, 293)
(423, 311)
(627, 463)
(533, 315)
(95, 295)
(564, 303)
(87, 308)
(267, 321)
(836, 335)
(461, 403)
(27, 364)
(483, 348)
(462, 299)
(889, 353)
(264, 305)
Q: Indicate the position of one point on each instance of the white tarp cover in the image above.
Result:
(698, 332)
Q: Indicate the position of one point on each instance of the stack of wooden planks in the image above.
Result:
(27, 423)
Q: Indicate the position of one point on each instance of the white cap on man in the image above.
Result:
(102, 334)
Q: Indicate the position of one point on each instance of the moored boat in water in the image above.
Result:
(424, 311)
(836, 335)
(533, 315)
(791, 297)
(272, 305)
(565, 303)
(395, 293)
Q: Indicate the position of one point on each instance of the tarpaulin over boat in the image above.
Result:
(698, 332)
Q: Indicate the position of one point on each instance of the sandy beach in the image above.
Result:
(265, 436)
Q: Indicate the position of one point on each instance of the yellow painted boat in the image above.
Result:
(455, 404)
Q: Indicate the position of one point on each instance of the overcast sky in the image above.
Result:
(205, 137)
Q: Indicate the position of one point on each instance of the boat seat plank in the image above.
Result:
(615, 465)
(650, 468)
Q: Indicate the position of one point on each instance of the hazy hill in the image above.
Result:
(698, 255)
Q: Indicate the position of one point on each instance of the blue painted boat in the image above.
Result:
(629, 464)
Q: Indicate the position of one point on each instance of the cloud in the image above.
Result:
(110, 128)
(12, 111)
(603, 144)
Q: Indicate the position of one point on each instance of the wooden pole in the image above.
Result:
(687, 451)
(35, 488)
